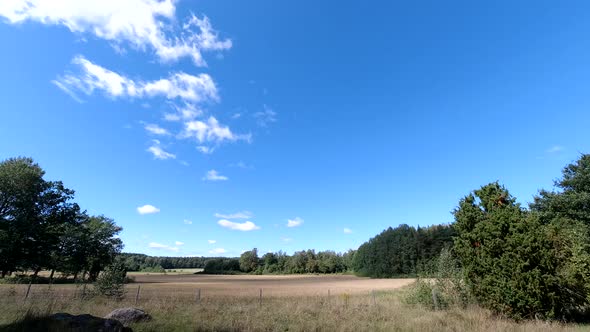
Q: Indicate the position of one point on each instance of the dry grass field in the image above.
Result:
(289, 303)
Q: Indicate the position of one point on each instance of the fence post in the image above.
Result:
(28, 290)
(198, 298)
(434, 299)
(260, 301)
(137, 295)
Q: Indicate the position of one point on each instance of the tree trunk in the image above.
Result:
(36, 272)
(51, 276)
(75, 276)
(3, 274)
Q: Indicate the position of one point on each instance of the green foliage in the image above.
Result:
(42, 228)
(446, 289)
(222, 266)
(249, 261)
(401, 251)
(516, 264)
(111, 282)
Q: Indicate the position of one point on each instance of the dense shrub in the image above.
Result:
(514, 263)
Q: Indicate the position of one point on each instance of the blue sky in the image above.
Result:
(192, 122)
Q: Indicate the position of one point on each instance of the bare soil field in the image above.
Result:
(276, 285)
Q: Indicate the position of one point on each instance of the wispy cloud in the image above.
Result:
(158, 152)
(187, 222)
(156, 130)
(295, 222)
(141, 24)
(213, 175)
(218, 251)
(147, 209)
(237, 215)
(347, 231)
(155, 245)
(211, 241)
(178, 243)
(265, 117)
(286, 239)
(244, 227)
(555, 149)
(91, 77)
(211, 131)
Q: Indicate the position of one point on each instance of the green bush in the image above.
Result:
(444, 289)
(517, 265)
(111, 282)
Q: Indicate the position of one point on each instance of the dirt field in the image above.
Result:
(248, 285)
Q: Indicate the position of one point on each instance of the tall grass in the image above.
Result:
(344, 312)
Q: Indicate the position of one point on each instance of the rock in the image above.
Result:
(129, 315)
(83, 323)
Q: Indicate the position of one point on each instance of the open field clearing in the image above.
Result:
(289, 303)
(383, 312)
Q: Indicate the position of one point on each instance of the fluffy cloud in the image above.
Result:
(160, 246)
(212, 241)
(159, 153)
(91, 77)
(213, 175)
(296, 222)
(147, 209)
(211, 131)
(237, 215)
(142, 24)
(217, 251)
(347, 231)
(244, 227)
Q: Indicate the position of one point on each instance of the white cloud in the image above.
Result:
(296, 222)
(142, 24)
(264, 118)
(187, 111)
(188, 222)
(218, 251)
(555, 149)
(212, 241)
(178, 243)
(91, 77)
(244, 227)
(211, 131)
(347, 231)
(213, 175)
(237, 215)
(160, 246)
(287, 239)
(159, 153)
(205, 149)
(147, 209)
(156, 130)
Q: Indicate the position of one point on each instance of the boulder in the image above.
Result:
(83, 323)
(129, 315)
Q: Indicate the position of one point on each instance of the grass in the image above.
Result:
(342, 312)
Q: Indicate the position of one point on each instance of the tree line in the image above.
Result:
(42, 228)
(402, 251)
